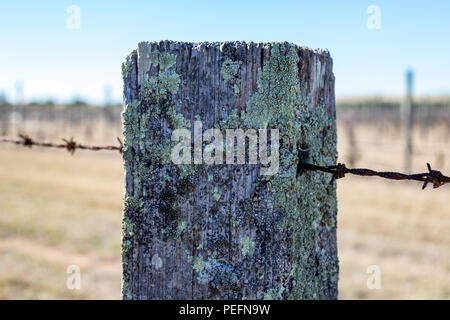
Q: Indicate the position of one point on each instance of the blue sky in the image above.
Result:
(54, 61)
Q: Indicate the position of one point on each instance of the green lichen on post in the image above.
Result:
(131, 207)
(157, 88)
(132, 203)
(230, 74)
(215, 273)
(272, 294)
(278, 95)
(198, 264)
(180, 228)
(156, 98)
(126, 291)
(216, 194)
(163, 60)
(128, 227)
(146, 147)
(308, 199)
(156, 91)
(229, 70)
(130, 126)
(126, 68)
(155, 101)
(247, 246)
(218, 274)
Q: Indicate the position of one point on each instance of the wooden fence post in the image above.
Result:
(227, 231)
(407, 120)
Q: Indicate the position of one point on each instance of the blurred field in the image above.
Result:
(58, 210)
(394, 224)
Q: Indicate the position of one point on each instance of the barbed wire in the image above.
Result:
(70, 145)
(338, 171)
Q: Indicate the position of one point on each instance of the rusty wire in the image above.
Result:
(70, 145)
(338, 171)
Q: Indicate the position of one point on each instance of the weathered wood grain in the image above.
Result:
(224, 231)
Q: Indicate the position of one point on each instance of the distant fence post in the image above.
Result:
(407, 120)
(200, 229)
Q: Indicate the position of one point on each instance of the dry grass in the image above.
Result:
(57, 210)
